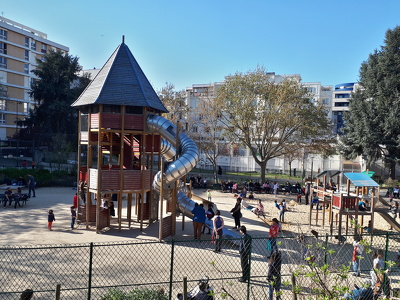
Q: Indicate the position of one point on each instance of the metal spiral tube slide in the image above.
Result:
(178, 168)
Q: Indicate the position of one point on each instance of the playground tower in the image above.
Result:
(118, 156)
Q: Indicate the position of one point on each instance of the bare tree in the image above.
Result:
(268, 117)
(206, 128)
(174, 101)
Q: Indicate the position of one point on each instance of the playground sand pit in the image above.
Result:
(28, 225)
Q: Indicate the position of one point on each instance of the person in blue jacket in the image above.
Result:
(199, 218)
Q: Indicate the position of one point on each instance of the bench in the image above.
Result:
(23, 200)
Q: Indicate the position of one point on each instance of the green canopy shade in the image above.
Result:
(369, 173)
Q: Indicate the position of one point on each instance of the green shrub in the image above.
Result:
(136, 294)
(391, 183)
(42, 176)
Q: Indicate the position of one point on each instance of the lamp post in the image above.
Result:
(16, 132)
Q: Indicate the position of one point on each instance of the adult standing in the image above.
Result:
(274, 275)
(377, 266)
(236, 213)
(199, 218)
(218, 223)
(33, 164)
(199, 182)
(31, 185)
(244, 250)
(357, 251)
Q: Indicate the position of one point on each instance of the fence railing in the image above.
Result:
(93, 271)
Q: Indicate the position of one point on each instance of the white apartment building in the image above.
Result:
(20, 46)
(240, 159)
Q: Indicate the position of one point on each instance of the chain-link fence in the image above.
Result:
(91, 271)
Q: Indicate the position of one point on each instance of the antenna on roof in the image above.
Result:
(123, 39)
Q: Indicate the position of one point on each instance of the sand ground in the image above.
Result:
(28, 225)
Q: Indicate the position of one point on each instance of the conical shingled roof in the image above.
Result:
(121, 81)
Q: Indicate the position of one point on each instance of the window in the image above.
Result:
(2, 119)
(325, 101)
(342, 95)
(2, 104)
(26, 42)
(341, 104)
(44, 48)
(3, 62)
(3, 48)
(108, 108)
(26, 68)
(26, 54)
(33, 45)
(3, 34)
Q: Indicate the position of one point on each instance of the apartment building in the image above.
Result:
(341, 98)
(20, 47)
(239, 158)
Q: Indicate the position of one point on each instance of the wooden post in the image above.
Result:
(129, 209)
(99, 173)
(160, 228)
(373, 209)
(121, 165)
(340, 214)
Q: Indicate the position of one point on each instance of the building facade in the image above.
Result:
(238, 158)
(20, 47)
(341, 98)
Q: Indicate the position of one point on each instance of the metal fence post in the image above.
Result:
(90, 271)
(58, 291)
(386, 248)
(185, 288)
(249, 276)
(171, 271)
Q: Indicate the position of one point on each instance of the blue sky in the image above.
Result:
(188, 42)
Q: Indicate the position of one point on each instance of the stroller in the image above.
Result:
(202, 291)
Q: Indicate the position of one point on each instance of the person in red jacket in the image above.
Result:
(273, 234)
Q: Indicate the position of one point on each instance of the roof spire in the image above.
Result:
(123, 39)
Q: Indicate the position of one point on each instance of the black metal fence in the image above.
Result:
(91, 271)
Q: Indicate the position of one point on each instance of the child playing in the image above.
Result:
(73, 216)
(209, 195)
(50, 219)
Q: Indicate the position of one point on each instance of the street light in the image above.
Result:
(16, 124)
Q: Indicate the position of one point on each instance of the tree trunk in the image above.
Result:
(290, 169)
(392, 170)
(262, 165)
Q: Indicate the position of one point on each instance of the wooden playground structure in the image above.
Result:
(341, 205)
